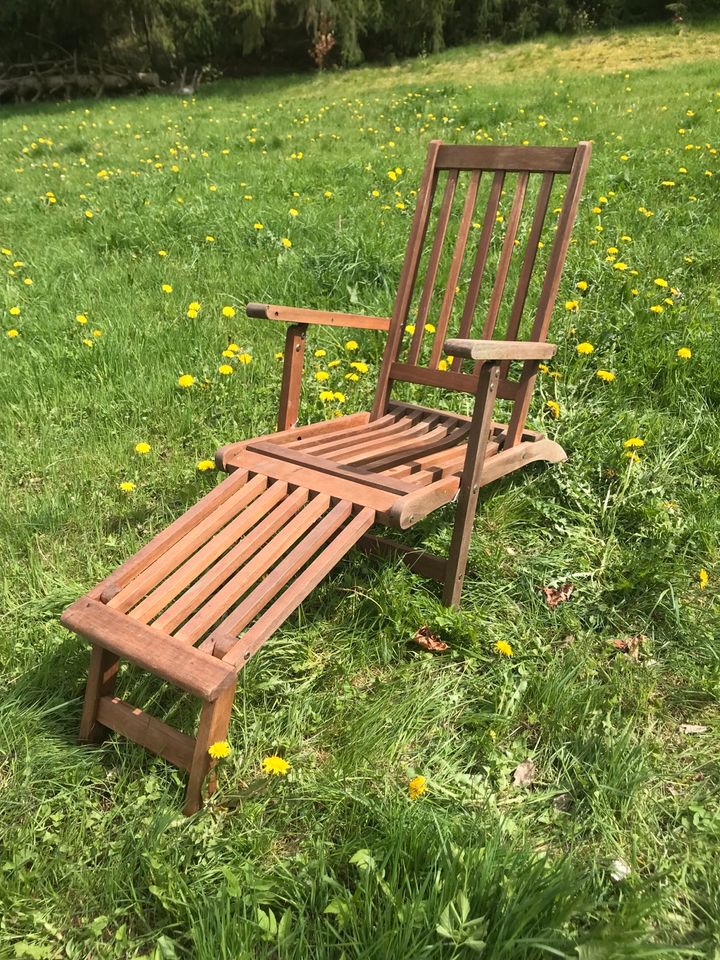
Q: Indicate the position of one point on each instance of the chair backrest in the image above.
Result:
(478, 284)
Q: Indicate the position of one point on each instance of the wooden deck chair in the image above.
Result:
(203, 596)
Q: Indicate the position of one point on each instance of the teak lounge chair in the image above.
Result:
(204, 595)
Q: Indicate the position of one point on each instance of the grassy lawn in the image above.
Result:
(116, 217)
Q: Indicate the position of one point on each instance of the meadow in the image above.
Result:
(132, 233)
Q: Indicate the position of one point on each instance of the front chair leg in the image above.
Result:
(213, 727)
(470, 483)
(100, 683)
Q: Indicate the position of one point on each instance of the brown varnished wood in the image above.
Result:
(470, 483)
(432, 267)
(326, 318)
(253, 570)
(202, 596)
(190, 569)
(239, 562)
(455, 267)
(157, 652)
(330, 468)
(481, 257)
(291, 599)
(193, 538)
(148, 731)
(511, 159)
(293, 359)
(408, 275)
(278, 578)
(166, 539)
(100, 683)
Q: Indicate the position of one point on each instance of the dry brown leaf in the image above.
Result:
(630, 645)
(428, 640)
(556, 595)
(524, 773)
(693, 728)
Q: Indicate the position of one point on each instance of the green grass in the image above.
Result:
(335, 861)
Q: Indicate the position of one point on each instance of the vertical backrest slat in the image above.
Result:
(505, 256)
(531, 251)
(549, 290)
(560, 244)
(480, 261)
(433, 265)
(455, 267)
(406, 284)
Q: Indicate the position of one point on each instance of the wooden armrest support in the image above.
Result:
(270, 311)
(499, 349)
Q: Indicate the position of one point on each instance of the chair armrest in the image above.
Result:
(270, 311)
(499, 349)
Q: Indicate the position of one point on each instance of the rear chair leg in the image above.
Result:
(213, 726)
(101, 683)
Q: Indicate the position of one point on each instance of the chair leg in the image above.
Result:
(213, 726)
(470, 485)
(101, 683)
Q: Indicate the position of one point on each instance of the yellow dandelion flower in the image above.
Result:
(293, 212)
(684, 353)
(203, 465)
(220, 750)
(142, 447)
(703, 578)
(14, 311)
(660, 282)
(633, 442)
(89, 214)
(351, 345)
(339, 397)
(277, 766)
(554, 408)
(632, 456)
(259, 226)
(194, 305)
(582, 285)
(585, 348)
(225, 369)
(607, 376)
(13, 333)
(429, 328)
(353, 377)
(127, 486)
(417, 787)
(209, 239)
(334, 363)
(186, 380)
(228, 353)
(166, 288)
(97, 333)
(244, 358)
(81, 318)
(322, 375)
(326, 395)
(620, 265)
(286, 242)
(360, 366)
(410, 329)
(162, 253)
(503, 648)
(320, 353)
(572, 305)
(228, 311)
(657, 308)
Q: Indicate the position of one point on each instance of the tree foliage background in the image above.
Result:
(241, 36)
